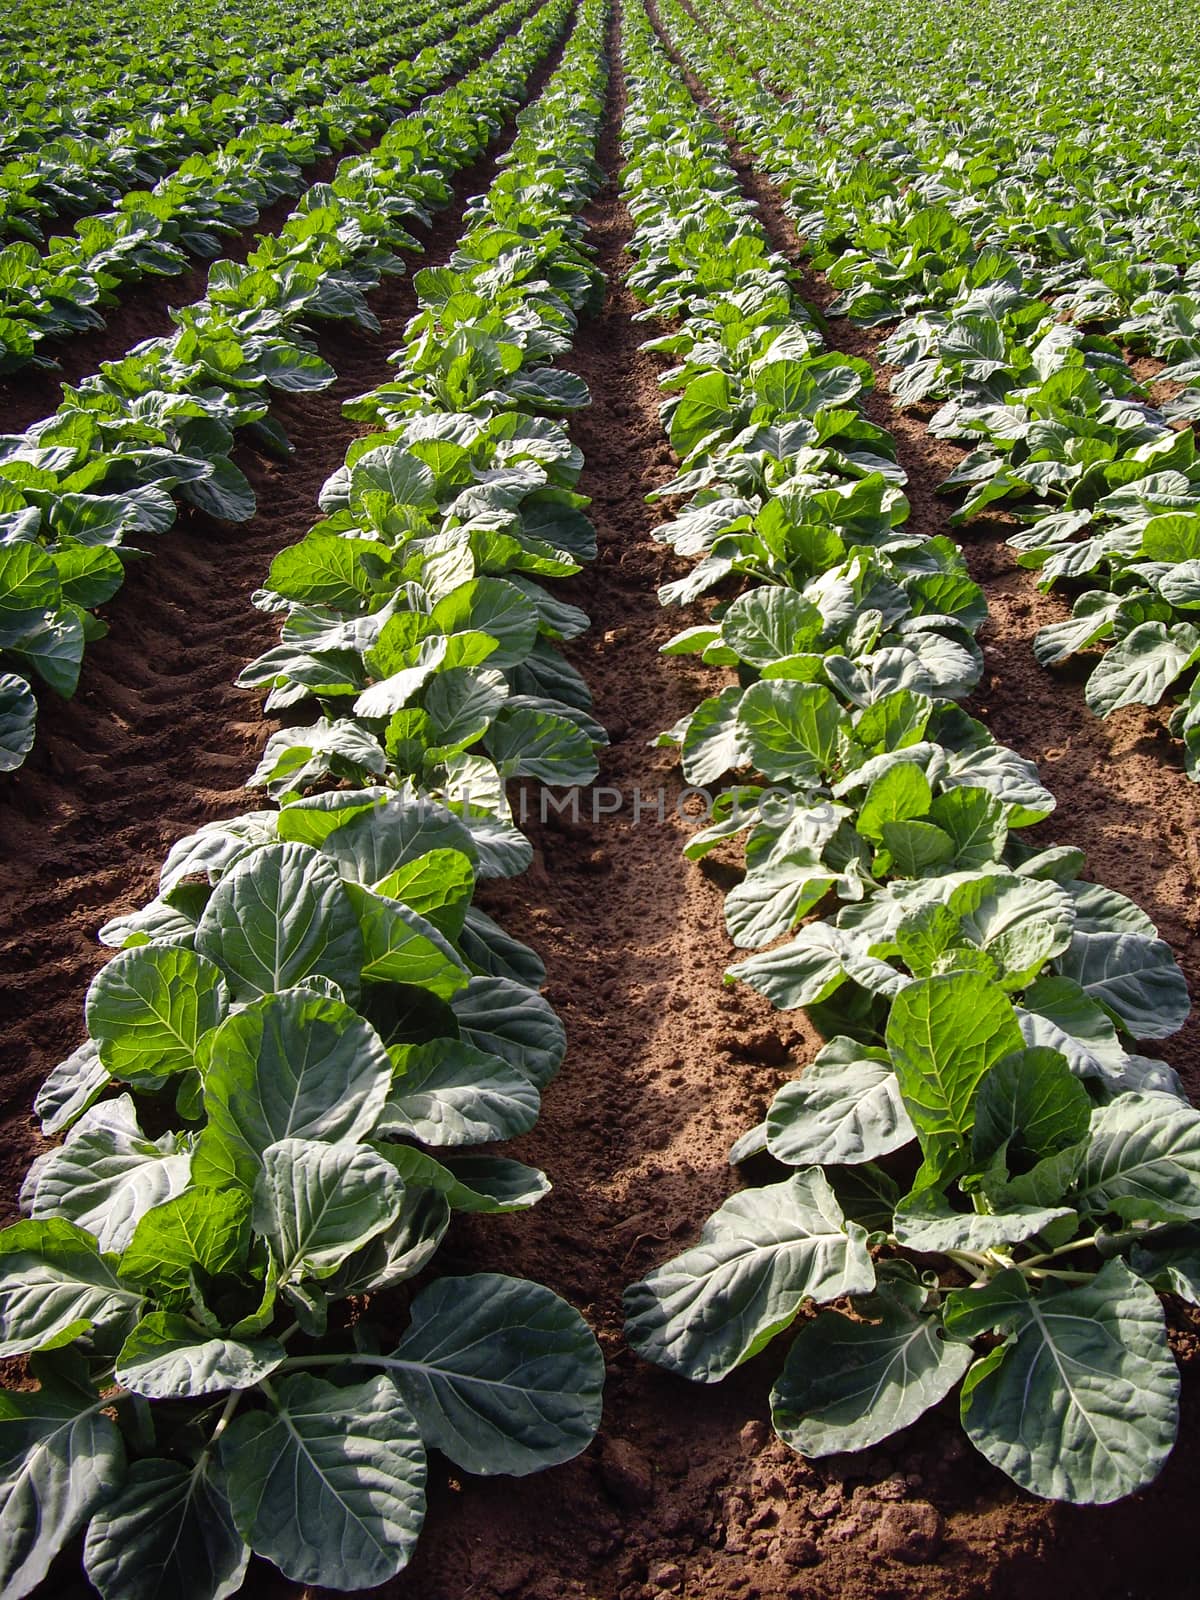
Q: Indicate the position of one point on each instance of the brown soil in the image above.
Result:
(686, 1492)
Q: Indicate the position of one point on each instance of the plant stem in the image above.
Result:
(1052, 1255)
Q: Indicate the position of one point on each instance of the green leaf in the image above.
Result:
(1135, 978)
(400, 1251)
(328, 1482)
(900, 793)
(848, 1385)
(108, 1174)
(1143, 1161)
(18, 720)
(915, 847)
(204, 1229)
(167, 1357)
(490, 605)
(278, 916)
(769, 623)
(926, 1222)
(149, 1007)
(525, 741)
(1139, 668)
(1170, 1262)
(70, 1088)
(437, 886)
(502, 1375)
(292, 1065)
(790, 729)
(1081, 1403)
(487, 1184)
(759, 1258)
(706, 404)
(944, 1034)
(324, 570)
(1030, 1105)
(60, 1458)
(505, 1019)
(449, 1093)
(714, 743)
(400, 946)
(168, 1534)
(315, 1203)
(225, 493)
(846, 1107)
(55, 1286)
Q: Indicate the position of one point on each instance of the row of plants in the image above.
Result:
(91, 112)
(979, 1166)
(1020, 261)
(80, 490)
(301, 1043)
(161, 231)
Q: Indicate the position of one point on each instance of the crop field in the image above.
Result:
(599, 799)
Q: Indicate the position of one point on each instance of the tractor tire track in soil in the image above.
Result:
(687, 1491)
(158, 740)
(143, 309)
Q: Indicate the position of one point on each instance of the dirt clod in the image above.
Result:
(626, 1473)
(911, 1532)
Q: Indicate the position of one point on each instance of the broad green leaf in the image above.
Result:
(55, 1286)
(527, 742)
(1030, 1105)
(70, 1088)
(1170, 1262)
(845, 1107)
(926, 1222)
(714, 743)
(449, 1093)
(400, 1251)
(848, 1385)
(944, 1034)
(18, 720)
(760, 1256)
(789, 729)
(768, 623)
(899, 794)
(437, 886)
(278, 916)
(167, 1534)
(1081, 1403)
(328, 1481)
(400, 946)
(60, 1458)
(490, 605)
(488, 1184)
(1143, 1161)
(150, 1006)
(1139, 668)
(167, 1357)
(108, 1174)
(375, 841)
(501, 1374)
(506, 1019)
(315, 1203)
(201, 1229)
(292, 1065)
(1135, 978)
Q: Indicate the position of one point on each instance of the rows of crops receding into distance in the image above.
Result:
(599, 813)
